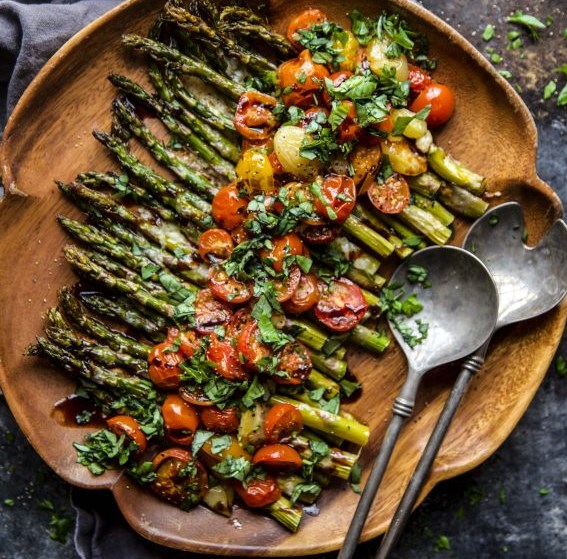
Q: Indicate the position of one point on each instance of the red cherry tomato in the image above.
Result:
(305, 297)
(187, 341)
(320, 234)
(164, 367)
(259, 492)
(337, 78)
(275, 163)
(220, 421)
(227, 288)
(215, 245)
(251, 347)
(419, 79)
(294, 364)
(392, 196)
(254, 118)
(224, 356)
(195, 396)
(338, 198)
(128, 426)
(349, 130)
(278, 458)
(210, 312)
(288, 245)
(237, 323)
(286, 287)
(341, 305)
(442, 101)
(180, 419)
(239, 234)
(303, 21)
(228, 207)
(281, 422)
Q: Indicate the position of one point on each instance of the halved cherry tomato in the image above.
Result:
(227, 288)
(187, 341)
(337, 199)
(349, 129)
(128, 426)
(239, 234)
(286, 287)
(251, 347)
(215, 245)
(228, 207)
(392, 196)
(259, 492)
(224, 356)
(179, 478)
(442, 101)
(281, 422)
(337, 78)
(383, 128)
(294, 364)
(164, 367)
(195, 395)
(304, 94)
(220, 421)
(288, 245)
(236, 324)
(180, 419)
(341, 305)
(303, 21)
(305, 296)
(419, 79)
(320, 234)
(210, 312)
(365, 161)
(275, 163)
(278, 458)
(254, 118)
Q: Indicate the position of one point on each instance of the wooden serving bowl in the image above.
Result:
(49, 136)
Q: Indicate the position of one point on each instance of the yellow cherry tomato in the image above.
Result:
(255, 169)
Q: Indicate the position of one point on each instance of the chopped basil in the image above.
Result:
(561, 366)
(311, 489)
(200, 438)
(562, 97)
(531, 23)
(488, 33)
(233, 468)
(549, 89)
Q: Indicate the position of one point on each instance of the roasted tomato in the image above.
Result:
(304, 20)
(253, 117)
(224, 356)
(227, 288)
(240, 234)
(228, 207)
(288, 245)
(320, 234)
(281, 422)
(210, 312)
(419, 79)
(187, 341)
(180, 419)
(277, 458)
(315, 114)
(392, 196)
(303, 95)
(276, 164)
(305, 296)
(255, 171)
(164, 367)
(442, 101)
(195, 396)
(337, 78)
(294, 364)
(286, 287)
(180, 479)
(215, 245)
(349, 130)
(236, 324)
(130, 428)
(251, 347)
(365, 161)
(259, 492)
(336, 198)
(220, 421)
(341, 305)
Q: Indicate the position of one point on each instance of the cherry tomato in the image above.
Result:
(303, 21)
(187, 341)
(318, 114)
(341, 305)
(305, 296)
(392, 196)
(337, 199)
(210, 312)
(220, 421)
(278, 458)
(288, 245)
(286, 287)
(349, 129)
(247, 144)
(303, 95)
(215, 245)
(320, 234)
(180, 479)
(128, 426)
(383, 128)
(224, 356)
(442, 101)
(365, 161)
(294, 364)
(419, 79)
(195, 396)
(281, 422)
(259, 492)
(236, 324)
(252, 349)
(337, 78)
(275, 163)
(253, 117)
(239, 234)
(227, 288)
(228, 208)
(180, 419)
(164, 367)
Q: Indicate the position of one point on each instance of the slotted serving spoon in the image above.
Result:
(530, 282)
(460, 308)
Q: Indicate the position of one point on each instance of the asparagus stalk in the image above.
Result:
(427, 224)
(369, 339)
(462, 201)
(289, 482)
(317, 380)
(434, 208)
(427, 184)
(331, 366)
(373, 240)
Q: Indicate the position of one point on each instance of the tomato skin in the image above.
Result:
(365, 161)
(275, 163)
(349, 130)
(288, 245)
(392, 196)
(305, 297)
(304, 94)
(286, 287)
(442, 101)
(252, 349)
(180, 419)
(341, 305)
(295, 362)
(339, 194)
(187, 341)
(337, 78)
(259, 492)
(127, 425)
(225, 359)
(281, 421)
(164, 367)
(419, 79)
(220, 421)
(278, 458)
(209, 313)
(304, 20)
(228, 208)
(253, 118)
(240, 319)
(228, 288)
(215, 245)
(239, 234)
(320, 234)
(195, 396)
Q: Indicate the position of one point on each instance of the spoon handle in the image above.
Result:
(469, 368)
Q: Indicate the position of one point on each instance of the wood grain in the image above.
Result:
(49, 136)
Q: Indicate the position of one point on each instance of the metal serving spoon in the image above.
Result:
(460, 308)
(530, 281)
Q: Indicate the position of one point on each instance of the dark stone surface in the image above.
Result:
(513, 505)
